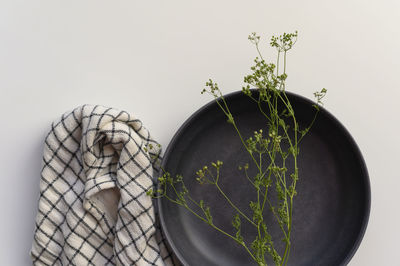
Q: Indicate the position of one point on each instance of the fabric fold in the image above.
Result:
(93, 209)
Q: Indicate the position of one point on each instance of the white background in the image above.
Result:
(152, 58)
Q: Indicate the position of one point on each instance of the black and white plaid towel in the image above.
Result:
(93, 207)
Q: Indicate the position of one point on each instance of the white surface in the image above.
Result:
(152, 58)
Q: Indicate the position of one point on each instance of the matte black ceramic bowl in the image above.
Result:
(331, 209)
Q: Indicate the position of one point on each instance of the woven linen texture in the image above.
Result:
(93, 209)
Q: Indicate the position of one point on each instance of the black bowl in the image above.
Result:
(331, 209)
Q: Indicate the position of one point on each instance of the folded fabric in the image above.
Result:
(98, 164)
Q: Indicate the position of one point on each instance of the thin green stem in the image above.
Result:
(284, 62)
(259, 53)
(277, 63)
(310, 125)
(234, 206)
(277, 218)
(266, 193)
(262, 111)
(229, 114)
(248, 178)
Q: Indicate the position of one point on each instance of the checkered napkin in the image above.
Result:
(93, 207)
